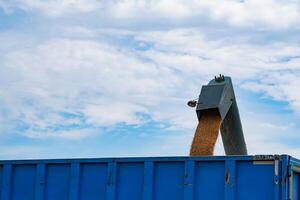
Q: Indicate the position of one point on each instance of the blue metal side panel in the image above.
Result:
(23, 182)
(111, 182)
(57, 182)
(209, 180)
(130, 178)
(0, 180)
(230, 180)
(168, 180)
(6, 182)
(255, 181)
(93, 181)
(296, 186)
(285, 173)
(40, 181)
(189, 179)
(177, 178)
(148, 180)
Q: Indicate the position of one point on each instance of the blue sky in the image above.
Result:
(111, 78)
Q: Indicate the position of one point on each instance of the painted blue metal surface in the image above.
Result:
(176, 178)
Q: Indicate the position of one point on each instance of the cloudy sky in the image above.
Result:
(102, 78)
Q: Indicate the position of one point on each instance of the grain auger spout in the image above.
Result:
(217, 110)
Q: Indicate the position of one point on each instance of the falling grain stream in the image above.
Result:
(206, 134)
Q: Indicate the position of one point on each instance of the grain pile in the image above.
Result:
(206, 134)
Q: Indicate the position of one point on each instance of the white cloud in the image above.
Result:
(251, 13)
(109, 83)
(254, 12)
(105, 84)
(51, 7)
(111, 111)
(165, 9)
(280, 85)
(72, 134)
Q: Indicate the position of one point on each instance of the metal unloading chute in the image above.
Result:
(219, 95)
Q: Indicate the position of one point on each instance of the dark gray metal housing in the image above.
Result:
(219, 95)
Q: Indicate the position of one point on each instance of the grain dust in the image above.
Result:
(206, 134)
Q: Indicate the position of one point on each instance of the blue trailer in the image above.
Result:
(268, 177)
